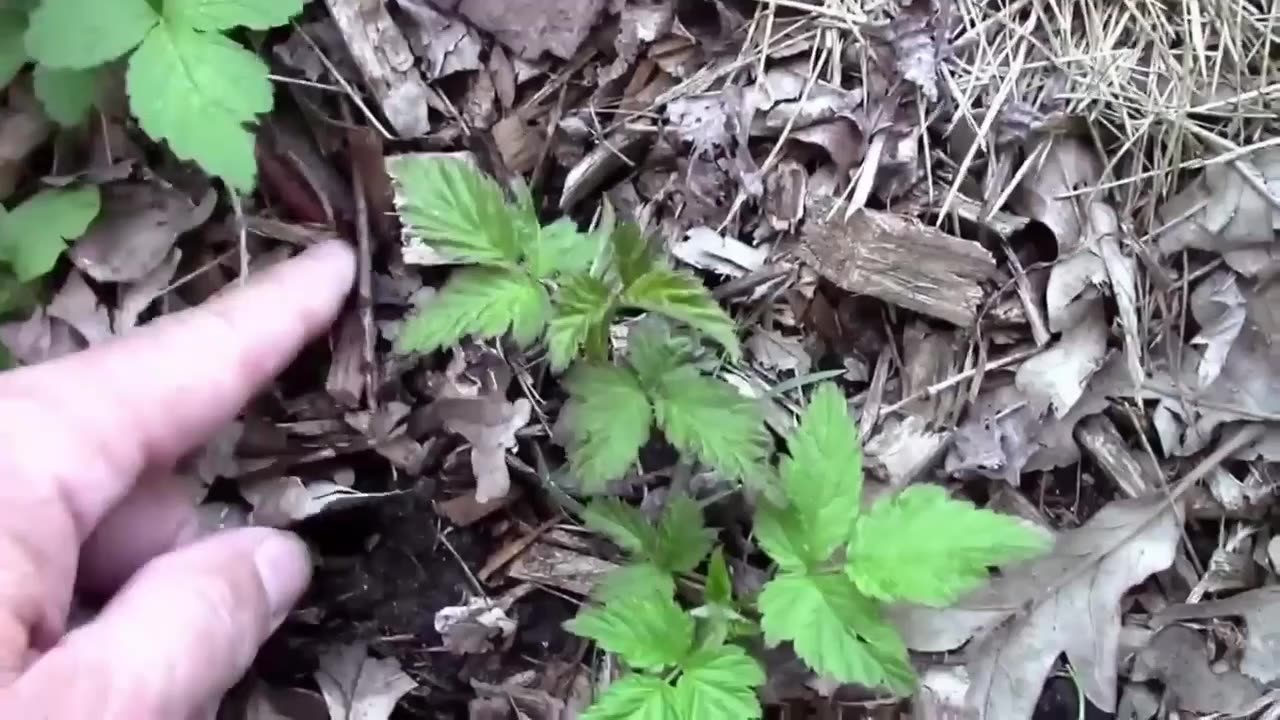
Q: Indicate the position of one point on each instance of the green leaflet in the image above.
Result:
(34, 234)
(925, 547)
(458, 210)
(607, 419)
(683, 538)
(227, 14)
(484, 302)
(636, 697)
(13, 48)
(80, 34)
(683, 297)
(708, 419)
(624, 524)
(719, 683)
(648, 630)
(67, 95)
(583, 309)
(563, 249)
(202, 112)
(835, 629)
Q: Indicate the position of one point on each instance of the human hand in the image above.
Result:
(86, 444)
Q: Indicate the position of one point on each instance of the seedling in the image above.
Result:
(188, 84)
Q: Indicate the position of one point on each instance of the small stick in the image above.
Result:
(954, 380)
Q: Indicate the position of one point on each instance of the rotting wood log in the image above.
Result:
(390, 68)
(897, 259)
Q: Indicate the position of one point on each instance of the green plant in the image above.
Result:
(188, 84)
(566, 287)
(837, 566)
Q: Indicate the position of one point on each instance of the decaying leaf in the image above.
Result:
(775, 351)
(1074, 597)
(1056, 378)
(915, 45)
(997, 438)
(138, 225)
(38, 338)
(1260, 609)
(1178, 657)
(1045, 193)
(1219, 307)
(77, 305)
(359, 687)
(531, 27)
(472, 628)
(446, 44)
(1222, 211)
(146, 290)
(281, 502)
(707, 249)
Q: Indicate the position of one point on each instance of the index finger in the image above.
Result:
(75, 433)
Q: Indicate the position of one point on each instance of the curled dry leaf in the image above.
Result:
(1218, 307)
(358, 687)
(1056, 378)
(145, 291)
(1178, 657)
(707, 249)
(1221, 210)
(77, 305)
(138, 225)
(472, 628)
(1045, 193)
(1074, 597)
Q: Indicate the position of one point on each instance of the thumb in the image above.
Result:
(181, 632)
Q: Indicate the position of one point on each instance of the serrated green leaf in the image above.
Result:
(647, 629)
(631, 254)
(34, 235)
(836, 630)
(80, 34)
(13, 47)
(227, 14)
(483, 302)
(67, 95)
(653, 351)
(608, 419)
(719, 587)
(622, 523)
(683, 538)
(561, 248)
(925, 547)
(720, 682)
(458, 210)
(822, 474)
(637, 578)
(201, 111)
(681, 296)
(708, 419)
(583, 310)
(636, 697)
(785, 539)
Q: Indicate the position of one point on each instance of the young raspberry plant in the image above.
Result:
(837, 566)
(566, 288)
(188, 84)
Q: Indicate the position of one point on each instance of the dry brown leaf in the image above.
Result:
(472, 628)
(997, 437)
(915, 45)
(137, 227)
(707, 249)
(1056, 378)
(358, 687)
(266, 702)
(1218, 307)
(1068, 165)
(1260, 609)
(1222, 211)
(775, 351)
(1074, 597)
(531, 27)
(281, 502)
(142, 293)
(445, 44)
(77, 305)
(1178, 657)
(38, 338)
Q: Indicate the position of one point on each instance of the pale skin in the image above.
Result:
(87, 446)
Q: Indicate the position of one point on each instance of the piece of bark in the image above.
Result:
(346, 380)
(898, 260)
(1100, 440)
(382, 53)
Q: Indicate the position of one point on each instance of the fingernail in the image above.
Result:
(284, 565)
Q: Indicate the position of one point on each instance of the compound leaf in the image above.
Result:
(35, 233)
(720, 682)
(835, 629)
(583, 308)
(926, 547)
(631, 254)
(80, 34)
(607, 419)
(227, 14)
(484, 302)
(636, 697)
(198, 91)
(67, 95)
(708, 419)
(561, 248)
(647, 629)
(457, 209)
(682, 296)
(622, 523)
(683, 538)
(634, 579)
(785, 539)
(13, 47)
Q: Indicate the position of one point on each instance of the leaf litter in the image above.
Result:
(1050, 285)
